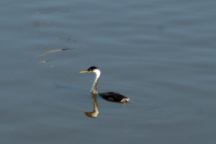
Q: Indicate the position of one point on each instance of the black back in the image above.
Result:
(113, 97)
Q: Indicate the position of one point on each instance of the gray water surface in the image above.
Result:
(162, 54)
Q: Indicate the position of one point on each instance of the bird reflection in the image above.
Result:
(95, 112)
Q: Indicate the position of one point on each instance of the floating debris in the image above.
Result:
(54, 51)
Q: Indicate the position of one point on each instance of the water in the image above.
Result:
(159, 53)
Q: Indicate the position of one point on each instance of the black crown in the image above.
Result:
(92, 68)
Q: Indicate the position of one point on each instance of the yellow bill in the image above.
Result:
(84, 71)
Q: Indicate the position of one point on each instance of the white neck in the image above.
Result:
(97, 76)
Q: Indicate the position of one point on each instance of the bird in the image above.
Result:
(109, 96)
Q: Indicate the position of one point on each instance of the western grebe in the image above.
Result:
(110, 96)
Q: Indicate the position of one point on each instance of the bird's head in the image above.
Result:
(92, 69)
